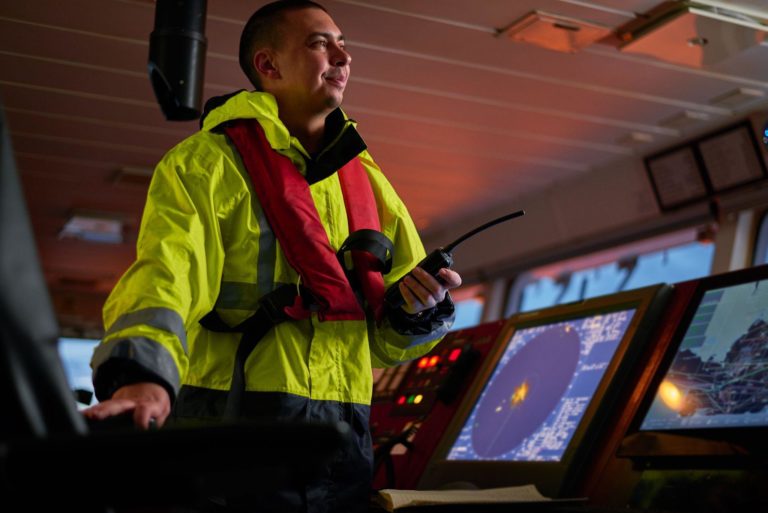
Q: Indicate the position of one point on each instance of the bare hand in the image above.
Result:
(146, 400)
(422, 291)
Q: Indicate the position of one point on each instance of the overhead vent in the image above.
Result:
(685, 120)
(636, 140)
(555, 32)
(691, 34)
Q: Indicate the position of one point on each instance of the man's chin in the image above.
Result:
(334, 102)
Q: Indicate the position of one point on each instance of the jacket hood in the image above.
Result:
(247, 105)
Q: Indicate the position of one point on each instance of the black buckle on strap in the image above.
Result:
(273, 304)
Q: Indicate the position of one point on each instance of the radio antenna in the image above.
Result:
(470, 233)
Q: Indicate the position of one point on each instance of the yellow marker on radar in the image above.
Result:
(519, 395)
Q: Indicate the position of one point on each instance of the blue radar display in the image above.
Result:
(540, 389)
(719, 375)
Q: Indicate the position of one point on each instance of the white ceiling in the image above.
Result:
(460, 120)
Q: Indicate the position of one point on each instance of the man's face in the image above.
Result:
(312, 62)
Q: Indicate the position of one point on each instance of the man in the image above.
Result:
(254, 203)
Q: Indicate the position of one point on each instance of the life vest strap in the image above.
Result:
(270, 313)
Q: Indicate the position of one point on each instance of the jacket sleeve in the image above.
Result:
(174, 280)
(401, 337)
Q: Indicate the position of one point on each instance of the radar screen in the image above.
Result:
(719, 375)
(540, 389)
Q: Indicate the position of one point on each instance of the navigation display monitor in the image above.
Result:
(540, 389)
(719, 376)
(541, 404)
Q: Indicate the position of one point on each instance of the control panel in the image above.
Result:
(416, 402)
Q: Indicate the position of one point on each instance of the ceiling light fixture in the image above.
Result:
(636, 139)
(93, 227)
(555, 32)
(691, 34)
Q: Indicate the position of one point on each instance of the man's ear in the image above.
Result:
(264, 64)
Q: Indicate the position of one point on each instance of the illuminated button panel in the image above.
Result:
(388, 382)
(426, 376)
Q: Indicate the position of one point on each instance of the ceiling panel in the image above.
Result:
(461, 121)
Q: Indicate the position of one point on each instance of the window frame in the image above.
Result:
(760, 254)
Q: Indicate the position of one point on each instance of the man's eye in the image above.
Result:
(320, 44)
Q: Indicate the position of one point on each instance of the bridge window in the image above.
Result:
(612, 271)
(469, 302)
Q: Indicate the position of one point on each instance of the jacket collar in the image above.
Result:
(341, 142)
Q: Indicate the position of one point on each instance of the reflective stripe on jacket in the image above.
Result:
(204, 243)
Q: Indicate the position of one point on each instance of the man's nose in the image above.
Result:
(341, 57)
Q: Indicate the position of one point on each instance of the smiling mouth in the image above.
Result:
(338, 81)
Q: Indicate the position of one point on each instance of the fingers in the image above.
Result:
(422, 291)
(451, 278)
(150, 415)
(109, 408)
(147, 401)
(412, 304)
(152, 402)
(424, 288)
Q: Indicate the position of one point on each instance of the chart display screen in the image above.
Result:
(719, 375)
(540, 389)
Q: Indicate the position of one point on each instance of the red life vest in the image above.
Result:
(287, 203)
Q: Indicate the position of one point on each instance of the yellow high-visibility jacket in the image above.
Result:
(204, 243)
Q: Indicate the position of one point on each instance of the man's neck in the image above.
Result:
(309, 132)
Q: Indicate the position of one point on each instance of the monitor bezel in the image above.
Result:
(553, 479)
(718, 446)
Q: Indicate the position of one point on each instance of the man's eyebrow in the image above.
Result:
(327, 35)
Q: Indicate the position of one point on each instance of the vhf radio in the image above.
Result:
(441, 257)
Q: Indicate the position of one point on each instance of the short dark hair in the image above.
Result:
(263, 29)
